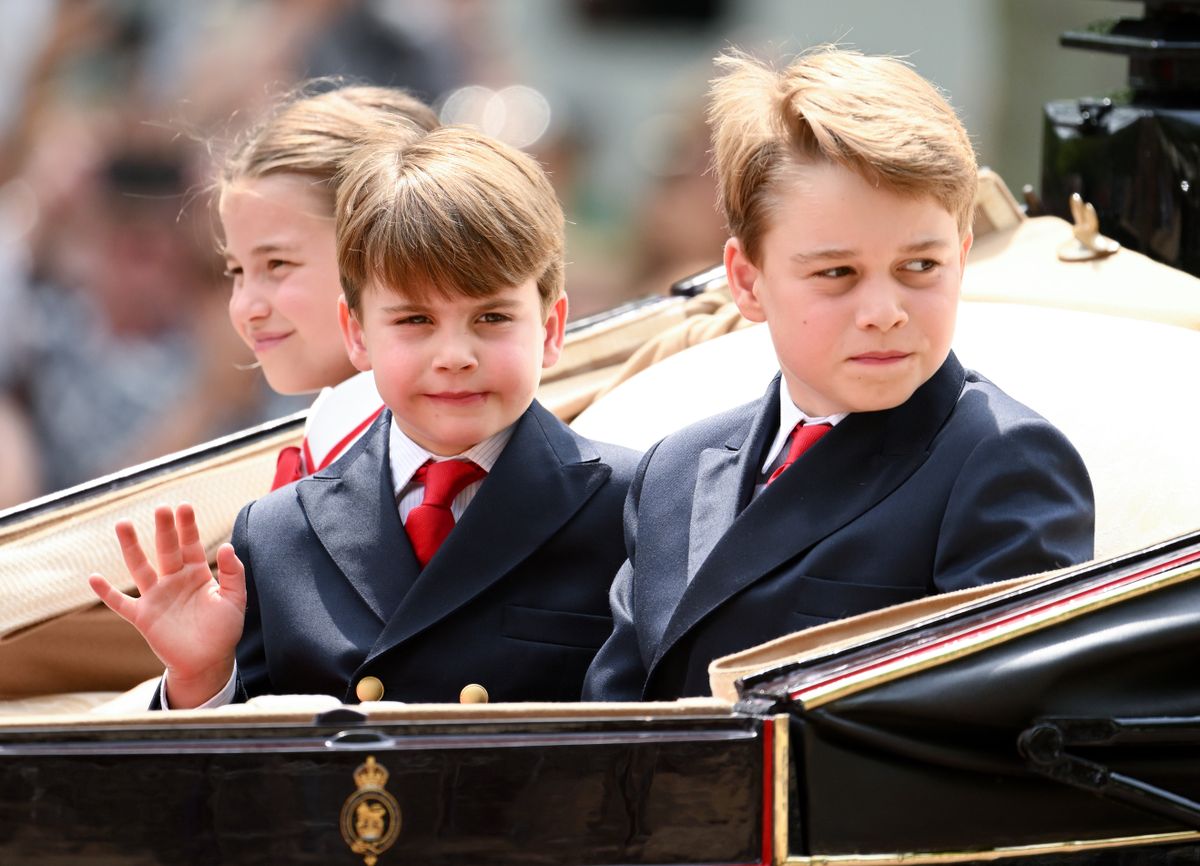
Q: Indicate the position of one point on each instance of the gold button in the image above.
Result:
(369, 689)
(473, 693)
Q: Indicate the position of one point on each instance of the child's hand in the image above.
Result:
(192, 623)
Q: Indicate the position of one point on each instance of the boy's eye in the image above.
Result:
(276, 264)
(919, 266)
(413, 320)
(231, 272)
(494, 318)
(835, 273)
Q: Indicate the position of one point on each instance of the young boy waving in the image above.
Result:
(875, 469)
(469, 537)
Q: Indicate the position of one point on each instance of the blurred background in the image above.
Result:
(115, 345)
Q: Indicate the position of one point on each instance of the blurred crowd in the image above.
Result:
(115, 344)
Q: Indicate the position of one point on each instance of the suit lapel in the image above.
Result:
(352, 509)
(731, 467)
(543, 477)
(847, 472)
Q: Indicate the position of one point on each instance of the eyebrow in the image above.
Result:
(404, 307)
(273, 247)
(921, 246)
(821, 255)
(260, 250)
(925, 245)
(490, 303)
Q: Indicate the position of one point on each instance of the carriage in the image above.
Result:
(1047, 719)
(1050, 717)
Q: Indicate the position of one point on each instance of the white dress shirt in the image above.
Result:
(406, 457)
(789, 416)
(338, 418)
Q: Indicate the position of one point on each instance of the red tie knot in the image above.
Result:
(804, 436)
(429, 524)
(445, 479)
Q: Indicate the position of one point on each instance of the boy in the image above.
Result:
(356, 582)
(847, 182)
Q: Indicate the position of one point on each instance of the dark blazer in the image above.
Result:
(958, 486)
(516, 599)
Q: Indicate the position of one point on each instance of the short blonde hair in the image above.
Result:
(456, 213)
(872, 115)
(313, 131)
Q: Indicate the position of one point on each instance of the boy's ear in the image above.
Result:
(352, 336)
(556, 324)
(743, 275)
(968, 239)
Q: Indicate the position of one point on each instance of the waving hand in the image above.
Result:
(191, 622)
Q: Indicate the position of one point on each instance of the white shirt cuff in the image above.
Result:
(220, 699)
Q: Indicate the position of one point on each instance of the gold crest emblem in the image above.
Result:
(370, 816)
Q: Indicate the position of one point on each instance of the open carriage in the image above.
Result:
(1052, 717)
(1048, 719)
(1052, 720)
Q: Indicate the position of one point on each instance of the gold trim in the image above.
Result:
(906, 859)
(819, 695)
(782, 776)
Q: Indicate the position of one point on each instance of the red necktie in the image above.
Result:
(804, 436)
(430, 522)
(289, 467)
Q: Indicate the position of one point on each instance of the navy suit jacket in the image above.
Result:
(516, 599)
(958, 486)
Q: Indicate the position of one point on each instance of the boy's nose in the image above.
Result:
(455, 354)
(881, 307)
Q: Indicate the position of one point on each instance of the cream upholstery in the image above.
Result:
(1019, 265)
(54, 636)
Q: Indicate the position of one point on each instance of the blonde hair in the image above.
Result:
(456, 213)
(312, 132)
(872, 115)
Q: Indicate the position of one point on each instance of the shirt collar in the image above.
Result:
(406, 456)
(789, 416)
(339, 414)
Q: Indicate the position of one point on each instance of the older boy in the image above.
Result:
(847, 182)
(469, 537)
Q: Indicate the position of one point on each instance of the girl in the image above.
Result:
(276, 195)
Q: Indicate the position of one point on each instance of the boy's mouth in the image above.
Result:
(880, 357)
(458, 398)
